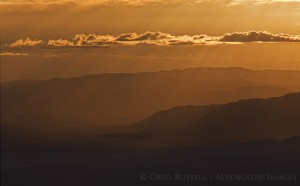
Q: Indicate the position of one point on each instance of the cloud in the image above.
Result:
(26, 42)
(81, 40)
(156, 38)
(263, 36)
(4, 53)
(147, 38)
(60, 42)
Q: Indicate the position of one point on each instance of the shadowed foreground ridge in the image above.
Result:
(245, 120)
(175, 141)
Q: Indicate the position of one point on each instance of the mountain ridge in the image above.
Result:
(244, 120)
(125, 98)
(151, 72)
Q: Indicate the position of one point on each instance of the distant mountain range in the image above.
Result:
(121, 98)
(242, 121)
(61, 129)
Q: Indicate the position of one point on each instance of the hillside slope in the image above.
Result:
(241, 121)
(125, 98)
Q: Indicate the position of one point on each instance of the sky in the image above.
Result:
(65, 18)
(36, 30)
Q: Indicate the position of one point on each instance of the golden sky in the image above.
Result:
(32, 29)
(65, 18)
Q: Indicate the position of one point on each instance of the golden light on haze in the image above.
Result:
(62, 18)
(95, 92)
(128, 36)
(70, 62)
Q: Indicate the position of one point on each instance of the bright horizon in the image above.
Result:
(130, 36)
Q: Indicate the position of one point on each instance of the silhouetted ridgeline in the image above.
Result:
(171, 141)
(125, 98)
(245, 120)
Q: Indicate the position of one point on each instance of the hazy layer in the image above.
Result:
(46, 19)
(69, 62)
